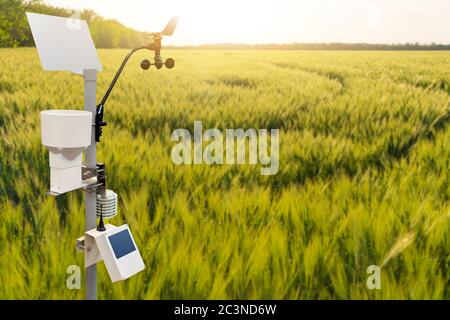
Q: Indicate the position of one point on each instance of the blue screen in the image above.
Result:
(122, 243)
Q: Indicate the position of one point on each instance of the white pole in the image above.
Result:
(90, 104)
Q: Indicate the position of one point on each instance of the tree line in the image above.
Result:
(15, 31)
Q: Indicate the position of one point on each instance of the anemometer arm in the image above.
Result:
(119, 72)
(99, 123)
(145, 64)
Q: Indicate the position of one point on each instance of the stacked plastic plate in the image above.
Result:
(107, 205)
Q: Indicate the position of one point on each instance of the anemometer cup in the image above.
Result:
(170, 63)
(66, 134)
(145, 64)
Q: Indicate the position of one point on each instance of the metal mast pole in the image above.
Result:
(90, 86)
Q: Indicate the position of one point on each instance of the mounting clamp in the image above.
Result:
(94, 179)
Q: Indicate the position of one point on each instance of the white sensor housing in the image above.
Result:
(117, 249)
(66, 133)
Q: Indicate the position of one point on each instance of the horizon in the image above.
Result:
(405, 44)
(282, 21)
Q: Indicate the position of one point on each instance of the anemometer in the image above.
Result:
(69, 133)
(145, 65)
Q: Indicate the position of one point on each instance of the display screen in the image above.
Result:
(122, 243)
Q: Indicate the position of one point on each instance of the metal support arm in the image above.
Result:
(99, 123)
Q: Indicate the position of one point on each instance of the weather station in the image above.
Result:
(65, 44)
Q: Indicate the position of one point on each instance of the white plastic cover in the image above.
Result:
(63, 44)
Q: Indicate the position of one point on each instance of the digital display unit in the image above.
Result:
(121, 243)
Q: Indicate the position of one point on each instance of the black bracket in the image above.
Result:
(99, 123)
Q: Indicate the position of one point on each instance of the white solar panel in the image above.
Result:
(63, 44)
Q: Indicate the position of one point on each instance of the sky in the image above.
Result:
(282, 21)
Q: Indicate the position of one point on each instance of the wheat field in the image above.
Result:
(364, 177)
